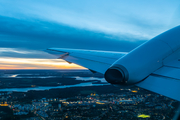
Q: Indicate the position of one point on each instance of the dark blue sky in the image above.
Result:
(28, 27)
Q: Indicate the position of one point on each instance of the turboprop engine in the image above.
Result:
(144, 60)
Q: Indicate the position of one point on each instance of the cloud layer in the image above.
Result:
(28, 27)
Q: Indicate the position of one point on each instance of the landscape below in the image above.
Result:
(76, 95)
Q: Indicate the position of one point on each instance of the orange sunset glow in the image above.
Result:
(26, 63)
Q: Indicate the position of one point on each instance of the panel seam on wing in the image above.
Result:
(171, 66)
(157, 75)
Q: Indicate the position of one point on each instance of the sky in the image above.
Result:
(27, 27)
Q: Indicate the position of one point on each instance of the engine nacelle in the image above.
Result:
(144, 60)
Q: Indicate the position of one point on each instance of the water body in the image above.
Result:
(45, 76)
(89, 78)
(48, 88)
(35, 76)
(51, 87)
(28, 76)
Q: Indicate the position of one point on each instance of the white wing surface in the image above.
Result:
(94, 60)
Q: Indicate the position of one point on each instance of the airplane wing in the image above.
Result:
(98, 61)
(154, 65)
(165, 81)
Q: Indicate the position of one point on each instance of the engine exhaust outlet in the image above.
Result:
(116, 74)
